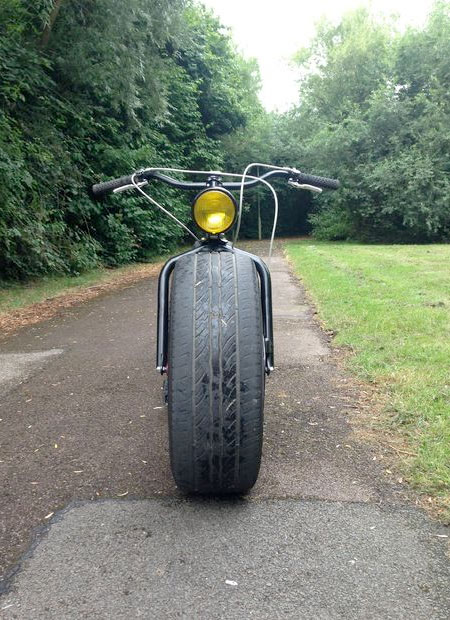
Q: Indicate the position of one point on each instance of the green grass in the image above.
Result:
(391, 305)
(15, 296)
(19, 295)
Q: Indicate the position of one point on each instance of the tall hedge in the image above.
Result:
(91, 89)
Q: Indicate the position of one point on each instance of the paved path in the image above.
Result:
(322, 535)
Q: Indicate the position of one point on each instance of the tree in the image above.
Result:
(374, 112)
(49, 24)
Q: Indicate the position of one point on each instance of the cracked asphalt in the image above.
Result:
(92, 525)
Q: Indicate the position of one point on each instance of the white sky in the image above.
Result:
(273, 32)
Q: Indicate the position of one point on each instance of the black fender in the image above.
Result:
(216, 245)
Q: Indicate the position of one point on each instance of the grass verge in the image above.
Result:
(391, 305)
(17, 295)
(38, 300)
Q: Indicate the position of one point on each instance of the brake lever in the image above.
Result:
(124, 188)
(311, 188)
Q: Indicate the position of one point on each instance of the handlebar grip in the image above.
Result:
(311, 179)
(101, 189)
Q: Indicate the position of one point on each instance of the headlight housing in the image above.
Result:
(214, 210)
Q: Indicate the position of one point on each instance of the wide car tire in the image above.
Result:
(215, 373)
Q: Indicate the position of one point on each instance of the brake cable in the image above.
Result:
(275, 198)
(154, 202)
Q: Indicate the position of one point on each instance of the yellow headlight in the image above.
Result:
(214, 211)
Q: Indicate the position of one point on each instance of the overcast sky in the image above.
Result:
(273, 34)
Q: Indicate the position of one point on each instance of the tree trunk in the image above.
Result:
(259, 212)
(259, 221)
(51, 20)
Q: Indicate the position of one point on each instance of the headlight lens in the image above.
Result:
(214, 211)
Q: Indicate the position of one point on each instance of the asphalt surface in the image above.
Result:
(92, 524)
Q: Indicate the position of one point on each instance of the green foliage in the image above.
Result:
(114, 87)
(227, 82)
(375, 113)
(269, 138)
(331, 224)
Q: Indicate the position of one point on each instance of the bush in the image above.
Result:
(332, 224)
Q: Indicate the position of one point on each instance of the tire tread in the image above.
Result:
(216, 373)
